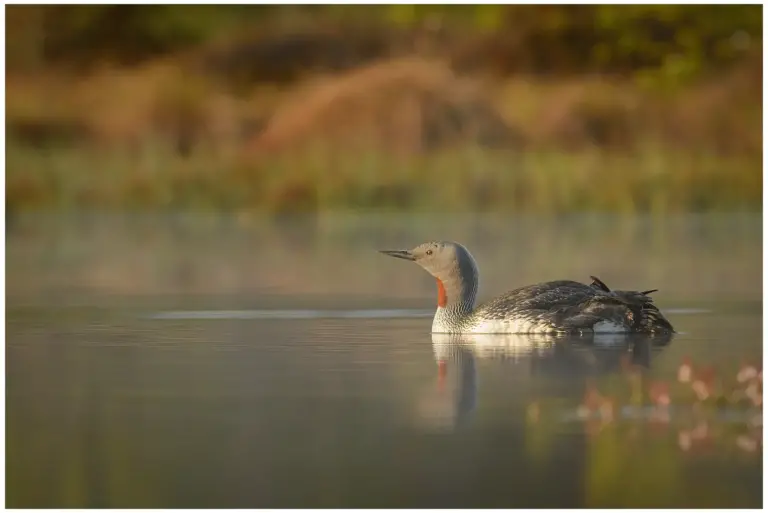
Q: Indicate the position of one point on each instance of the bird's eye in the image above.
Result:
(429, 252)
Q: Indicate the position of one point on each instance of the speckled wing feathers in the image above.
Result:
(540, 297)
(572, 306)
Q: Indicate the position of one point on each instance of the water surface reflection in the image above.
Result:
(454, 398)
(207, 361)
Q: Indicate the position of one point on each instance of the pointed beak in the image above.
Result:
(399, 253)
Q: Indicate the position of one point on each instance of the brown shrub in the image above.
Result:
(123, 106)
(592, 111)
(721, 114)
(404, 106)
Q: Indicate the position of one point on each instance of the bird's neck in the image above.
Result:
(457, 287)
(456, 294)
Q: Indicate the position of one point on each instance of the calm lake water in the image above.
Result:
(203, 361)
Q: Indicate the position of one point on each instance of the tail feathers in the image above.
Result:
(643, 314)
(653, 321)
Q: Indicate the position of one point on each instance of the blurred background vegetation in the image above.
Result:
(536, 108)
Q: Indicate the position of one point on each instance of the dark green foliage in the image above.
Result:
(672, 42)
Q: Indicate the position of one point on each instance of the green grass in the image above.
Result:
(460, 179)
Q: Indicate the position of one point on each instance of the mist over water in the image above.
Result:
(211, 361)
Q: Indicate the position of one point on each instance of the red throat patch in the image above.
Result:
(442, 298)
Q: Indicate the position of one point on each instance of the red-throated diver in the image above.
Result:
(561, 306)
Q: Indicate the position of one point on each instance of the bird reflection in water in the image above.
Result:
(453, 401)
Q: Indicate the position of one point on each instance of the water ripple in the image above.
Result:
(326, 314)
(292, 314)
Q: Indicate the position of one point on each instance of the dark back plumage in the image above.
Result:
(573, 306)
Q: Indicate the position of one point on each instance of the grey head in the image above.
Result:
(453, 267)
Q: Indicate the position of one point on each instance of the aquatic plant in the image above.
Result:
(702, 405)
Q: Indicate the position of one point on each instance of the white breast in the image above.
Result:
(519, 325)
(442, 323)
